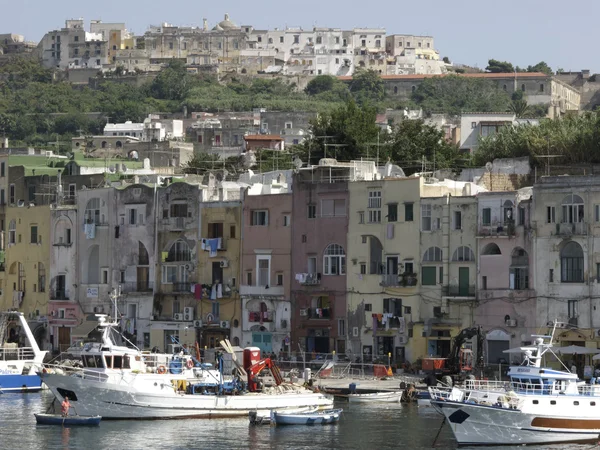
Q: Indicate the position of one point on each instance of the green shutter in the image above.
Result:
(429, 276)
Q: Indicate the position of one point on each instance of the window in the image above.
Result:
(597, 213)
(541, 88)
(491, 249)
(393, 306)
(279, 279)
(519, 270)
(232, 231)
(374, 199)
(122, 276)
(11, 194)
(296, 39)
(426, 217)
(473, 125)
(408, 267)
(104, 274)
(169, 274)
(368, 307)
(34, 234)
(179, 251)
(334, 260)
(550, 214)
(260, 218)
(41, 277)
(597, 271)
(2, 169)
(178, 210)
(286, 220)
(551, 275)
(572, 209)
(12, 232)
(428, 276)
(281, 39)
(341, 327)
(132, 215)
(408, 212)
(311, 264)
(249, 278)
(304, 238)
(521, 215)
(363, 268)
(263, 270)
(572, 309)
(374, 216)
(571, 263)
(441, 274)
(392, 214)
(361, 217)
(463, 254)
(457, 220)
(312, 211)
(92, 211)
(523, 87)
(484, 283)
(333, 208)
(433, 254)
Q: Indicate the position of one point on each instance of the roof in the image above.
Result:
(263, 137)
(81, 161)
(468, 75)
(41, 165)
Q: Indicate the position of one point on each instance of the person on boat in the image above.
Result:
(430, 379)
(65, 406)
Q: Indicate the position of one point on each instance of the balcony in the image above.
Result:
(221, 245)
(137, 286)
(262, 290)
(498, 229)
(309, 279)
(261, 316)
(59, 294)
(397, 280)
(319, 313)
(573, 321)
(183, 287)
(458, 291)
(571, 229)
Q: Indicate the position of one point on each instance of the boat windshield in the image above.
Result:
(92, 361)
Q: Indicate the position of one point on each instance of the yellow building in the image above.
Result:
(218, 272)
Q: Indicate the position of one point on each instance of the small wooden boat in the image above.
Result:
(266, 417)
(58, 419)
(307, 418)
(377, 397)
(423, 399)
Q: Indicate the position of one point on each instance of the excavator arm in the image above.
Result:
(259, 366)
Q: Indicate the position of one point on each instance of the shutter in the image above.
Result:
(428, 277)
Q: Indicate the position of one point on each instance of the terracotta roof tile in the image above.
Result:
(468, 75)
(263, 137)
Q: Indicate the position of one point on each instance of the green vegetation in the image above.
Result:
(574, 139)
(495, 66)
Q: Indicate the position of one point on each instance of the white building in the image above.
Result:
(124, 129)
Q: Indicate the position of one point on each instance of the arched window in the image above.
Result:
(179, 251)
(119, 144)
(41, 277)
(334, 260)
(143, 259)
(432, 254)
(571, 263)
(12, 232)
(104, 144)
(92, 211)
(463, 254)
(519, 269)
(523, 87)
(491, 249)
(62, 232)
(507, 211)
(572, 209)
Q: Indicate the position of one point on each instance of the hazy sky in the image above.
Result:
(467, 31)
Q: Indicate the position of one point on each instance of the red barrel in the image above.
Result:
(251, 356)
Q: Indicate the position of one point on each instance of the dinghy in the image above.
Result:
(307, 418)
(58, 419)
(377, 397)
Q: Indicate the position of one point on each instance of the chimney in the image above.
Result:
(205, 24)
(585, 74)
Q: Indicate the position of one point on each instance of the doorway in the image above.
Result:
(264, 341)
(463, 281)
(64, 338)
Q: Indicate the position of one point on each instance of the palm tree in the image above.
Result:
(519, 107)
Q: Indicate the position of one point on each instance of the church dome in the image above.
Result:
(227, 24)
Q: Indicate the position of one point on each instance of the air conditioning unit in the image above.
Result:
(304, 312)
(511, 323)
(224, 263)
(224, 323)
(197, 323)
(178, 316)
(188, 314)
(354, 331)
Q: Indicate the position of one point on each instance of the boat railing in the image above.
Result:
(592, 390)
(80, 372)
(10, 353)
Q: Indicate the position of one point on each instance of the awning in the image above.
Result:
(84, 329)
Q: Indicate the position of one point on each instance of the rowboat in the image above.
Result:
(307, 418)
(260, 418)
(377, 397)
(57, 419)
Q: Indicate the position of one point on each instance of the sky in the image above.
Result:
(470, 32)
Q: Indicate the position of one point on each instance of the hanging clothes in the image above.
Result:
(213, 292)
(213, 245)
(90, 230)
(402, 325)
(198, 291)
(219, 290)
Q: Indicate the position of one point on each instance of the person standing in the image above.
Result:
(65, 406)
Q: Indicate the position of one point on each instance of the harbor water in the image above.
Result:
(362, 427)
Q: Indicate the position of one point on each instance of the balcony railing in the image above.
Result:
(310, 279)
(261, 316)
(59, 294)
(459, 291)
(137, 286)
(570, 229)
(183, 287)
(497, 229)
(319, 313)
(397, 280)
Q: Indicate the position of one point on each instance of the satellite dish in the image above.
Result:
(297, 163)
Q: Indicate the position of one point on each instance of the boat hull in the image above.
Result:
(57, 419)
(322, 418)
(20, 383)
(379, 397)
(124, 401)
(474, 424)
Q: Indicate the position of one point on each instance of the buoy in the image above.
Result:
(189, 364)
(161, 370)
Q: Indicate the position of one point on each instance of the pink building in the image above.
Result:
(266, 267)
(506, 299)
(319, 237)
(259, 141)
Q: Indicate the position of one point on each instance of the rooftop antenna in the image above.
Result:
(325, 144)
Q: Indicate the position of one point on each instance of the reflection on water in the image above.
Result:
(361, 427)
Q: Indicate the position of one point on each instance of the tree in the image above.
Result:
(319, 84)
(412, 142)
(202, 163)
(496, 66)
(446, 60)
(540, 67)
(348, 127)
(520, 108)
(367, 87)
(172, 83)
(454, 94)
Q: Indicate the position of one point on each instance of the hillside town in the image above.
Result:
(369, 257)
